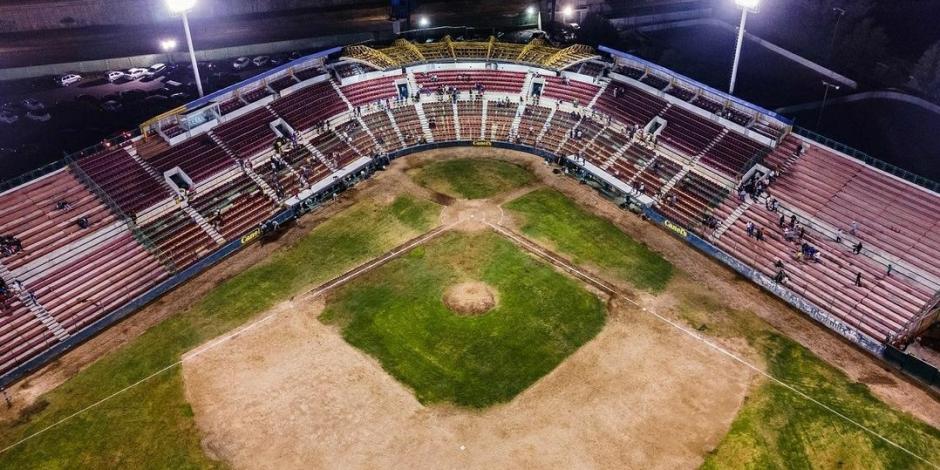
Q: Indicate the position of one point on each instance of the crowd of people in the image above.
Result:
(10, 245)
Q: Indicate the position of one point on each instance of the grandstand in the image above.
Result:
(110, 229)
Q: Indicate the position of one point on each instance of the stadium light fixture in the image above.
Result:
(424, 22)
(746, 6)
(168, 44)
(180, 6)
(531, 11)
(567, 12)
(183, 7)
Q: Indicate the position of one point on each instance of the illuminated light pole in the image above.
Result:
(423, 22)
(746, 7)
(182, 7)
(168, 46)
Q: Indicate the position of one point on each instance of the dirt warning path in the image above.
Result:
(294, 394)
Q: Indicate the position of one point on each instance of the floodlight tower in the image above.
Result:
(747, 6)
(182, 7)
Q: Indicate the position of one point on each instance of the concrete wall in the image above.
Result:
(36, 15)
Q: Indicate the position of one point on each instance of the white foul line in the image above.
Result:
(250, 326)
(532, 246)
(724, 351)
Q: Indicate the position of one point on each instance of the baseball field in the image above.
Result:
(468, 308)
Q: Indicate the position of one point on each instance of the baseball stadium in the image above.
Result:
(469, 252)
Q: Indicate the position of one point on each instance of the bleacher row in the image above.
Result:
(138, 232)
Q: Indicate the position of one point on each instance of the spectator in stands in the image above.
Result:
(853, 229)
(782, 221)
(759, 234)
(838, 235)
(890, 268)
(83, 222)
(63, 205)
(802, 231)
(858, 279)
(750, 228)
(858, 248)
(778, 263)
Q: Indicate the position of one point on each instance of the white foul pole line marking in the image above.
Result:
(245, 328)
(716, 347)
(430, 235)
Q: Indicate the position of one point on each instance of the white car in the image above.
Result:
(240, 63)
(135, 73)
(39, 115)
(114, 75)
(33, 104)
(69, 79)
(155, 70)
(261, 61)
(8, 117)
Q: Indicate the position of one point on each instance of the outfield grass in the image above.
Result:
(151, 426)
(476, 178)
(777, 428)
(396, 314)
(551, 217)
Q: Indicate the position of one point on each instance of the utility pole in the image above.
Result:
(829, 86)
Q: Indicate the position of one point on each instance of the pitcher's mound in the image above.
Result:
(470, 298)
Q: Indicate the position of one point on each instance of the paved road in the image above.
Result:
(23, 49)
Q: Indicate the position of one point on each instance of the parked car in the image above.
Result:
(261, 61)
(156, 69)
(40, 115)
(33, 104)
(114, 75)
(68, 79)
(240, 63)
(277, 60)
(111, 106)
(132, 96)
(135, 73)
(8, 117)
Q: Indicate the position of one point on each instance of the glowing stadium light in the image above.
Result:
(168, 44)
(530, 10)
(424, 22)
(180, 6)
(746, 6)
(567, 12)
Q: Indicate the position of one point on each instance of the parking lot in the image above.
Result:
(85, 113)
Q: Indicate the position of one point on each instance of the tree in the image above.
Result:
(926, 72)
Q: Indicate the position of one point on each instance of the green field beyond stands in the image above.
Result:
(397, 314)
(477, 178)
